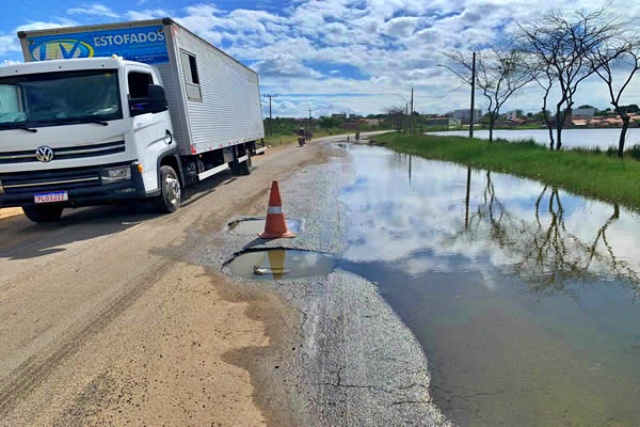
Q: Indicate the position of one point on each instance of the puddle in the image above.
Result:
(524, 297)
(256, 226)
(281, 264)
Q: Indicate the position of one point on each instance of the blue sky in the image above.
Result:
(357, 56)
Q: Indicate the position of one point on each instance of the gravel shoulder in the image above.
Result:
(349, 360)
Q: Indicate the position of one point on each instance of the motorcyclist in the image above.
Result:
(302, 135)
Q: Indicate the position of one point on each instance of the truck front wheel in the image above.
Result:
(43, 213)
(171, 191)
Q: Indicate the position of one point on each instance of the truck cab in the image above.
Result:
(87, 131)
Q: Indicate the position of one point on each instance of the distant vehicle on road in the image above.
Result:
(119, 112)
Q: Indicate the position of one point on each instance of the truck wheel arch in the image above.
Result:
(171, 159)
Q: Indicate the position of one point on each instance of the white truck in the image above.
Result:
(118, 112)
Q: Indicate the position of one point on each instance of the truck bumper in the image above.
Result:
(85, 186)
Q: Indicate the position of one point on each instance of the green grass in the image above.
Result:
(292, 137)
(589, 173)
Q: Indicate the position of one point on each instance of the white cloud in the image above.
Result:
(393, 44)
(93, 9)
(284, 66)
(147, 14)
(9, 42)
(39, 25)
(401, 27)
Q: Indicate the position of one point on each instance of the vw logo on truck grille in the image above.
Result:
(44, 154)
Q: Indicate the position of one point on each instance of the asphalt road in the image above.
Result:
(119, 316)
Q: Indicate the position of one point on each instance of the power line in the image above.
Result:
(443, 96)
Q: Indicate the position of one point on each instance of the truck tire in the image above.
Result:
(244, 168)
(43, 213)
(235, 167)
(170, 191)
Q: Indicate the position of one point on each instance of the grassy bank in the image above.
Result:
(589, 174)
(291, 138)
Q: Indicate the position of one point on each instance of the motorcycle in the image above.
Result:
(301, 140)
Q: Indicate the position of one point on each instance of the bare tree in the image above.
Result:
(396, 117)
(543, 250)
(564, 45)
(620, 54)
(546, 83)
(500, 74)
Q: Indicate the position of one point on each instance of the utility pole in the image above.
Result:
(270, 118)
(310, 110)
(466, 199)
(412, 123)
(473, 96)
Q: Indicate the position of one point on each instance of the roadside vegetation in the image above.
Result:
(594, 173)
(292, 137)
(284, 130)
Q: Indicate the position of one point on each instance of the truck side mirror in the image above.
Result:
(156, 102)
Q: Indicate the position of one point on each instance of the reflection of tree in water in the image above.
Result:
(544, 252)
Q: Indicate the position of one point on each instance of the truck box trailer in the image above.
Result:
(125, 111)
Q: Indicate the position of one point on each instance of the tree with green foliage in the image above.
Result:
(396, 117)
(330, 122)
(631, 108)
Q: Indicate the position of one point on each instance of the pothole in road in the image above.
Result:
(281, 264)
(256, 226)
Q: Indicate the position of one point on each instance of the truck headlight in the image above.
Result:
(112, 175)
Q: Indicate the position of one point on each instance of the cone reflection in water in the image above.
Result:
(277, 258)
(276, 226)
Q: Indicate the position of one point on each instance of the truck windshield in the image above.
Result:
(52, 99)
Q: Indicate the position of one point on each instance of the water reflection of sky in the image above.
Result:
(526, 314)
(419, 222)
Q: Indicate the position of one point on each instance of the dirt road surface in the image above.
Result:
(103, 323)
(119, 316)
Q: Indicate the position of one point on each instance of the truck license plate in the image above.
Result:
(58, 196)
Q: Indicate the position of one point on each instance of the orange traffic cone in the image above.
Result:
(276, 226)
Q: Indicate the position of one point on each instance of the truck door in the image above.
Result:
(152, 132)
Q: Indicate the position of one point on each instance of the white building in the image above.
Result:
(586, 113)
(511, 115)
(465, 116)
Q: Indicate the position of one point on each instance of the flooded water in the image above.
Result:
(281, 264)
(524, 297)
(571, 138)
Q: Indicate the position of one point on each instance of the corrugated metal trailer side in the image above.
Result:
(223, 104)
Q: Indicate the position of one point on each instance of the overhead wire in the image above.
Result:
(445, 95)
